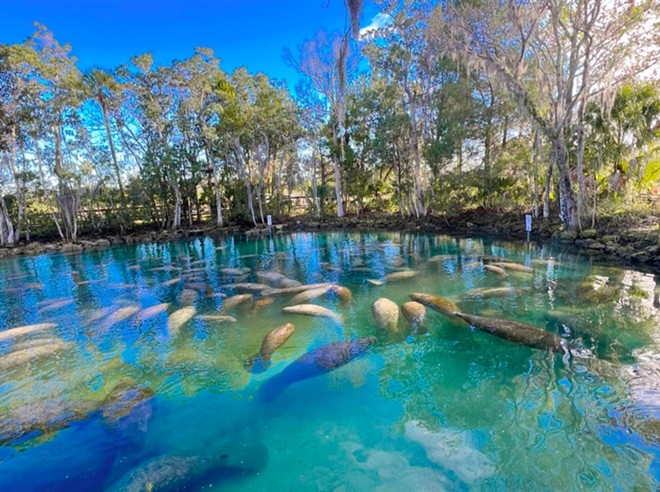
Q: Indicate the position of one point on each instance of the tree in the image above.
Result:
(326, 61)
(553, 57)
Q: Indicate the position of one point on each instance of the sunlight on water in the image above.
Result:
(142, 368)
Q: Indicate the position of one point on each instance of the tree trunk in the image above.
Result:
(417, 171)
(546, 191)
(244, 173)
(43, 183)
(398, 183)
(20, 190)
(315, 191)
(488, 144)
(322, 198)
(263, 166)
(567, 203)
(178, 202)
(111, 144)
(6, 226)
(536, 151)
(216, 186)
(335, 160)
(67, 198)
(487, 152)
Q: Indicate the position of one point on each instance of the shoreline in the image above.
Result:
(638, 248)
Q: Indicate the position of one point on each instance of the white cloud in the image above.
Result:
(379, 21)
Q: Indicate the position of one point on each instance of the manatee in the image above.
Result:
(234, 272)
(217, 317)
(516, 267)
(34, 285)
(127, 405)
(179, 318)
(440, 304)
(248, 287)
(152, 311)
(307, 295)
(544, 262)
(40, 417)
(56, 305)
(518, 332)
(169, 472)
(294, 290)
(493, 258)
(187, 472)
(385, 314)
(99, 313)
(198, 286)
(312, 310)
(489, 293)
(165, 268)
(271, 342)
(27, 355)
(344, 293)
(287, 283)
(89, 282)
(118, 316)
(271, 278)
(187, 296)
(395, 277)
(414, 312)
(20, 331)
(261, 303)
(36, 342)
(495, 269)
(439, 258)
(315, 363)
(233, 301)
(46, 302)
(397, 261)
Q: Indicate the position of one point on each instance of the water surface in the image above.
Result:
(115, 398)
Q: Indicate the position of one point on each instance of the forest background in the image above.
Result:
(547, 107)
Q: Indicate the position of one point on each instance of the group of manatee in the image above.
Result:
(386, 315)
(129, 397)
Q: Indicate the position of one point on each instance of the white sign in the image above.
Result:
(528, 223)
(269, 220)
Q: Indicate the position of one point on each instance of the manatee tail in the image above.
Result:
(376, 282)
(257, 364)
(270, 389)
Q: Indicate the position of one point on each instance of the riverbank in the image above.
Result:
(633, 241)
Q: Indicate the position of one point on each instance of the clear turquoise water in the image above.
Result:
(451, 409)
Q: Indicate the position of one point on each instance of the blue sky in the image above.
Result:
(107, 33)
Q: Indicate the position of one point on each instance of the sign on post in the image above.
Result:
(528, 225)
(269, 221)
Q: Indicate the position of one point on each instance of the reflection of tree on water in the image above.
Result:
(511, 399)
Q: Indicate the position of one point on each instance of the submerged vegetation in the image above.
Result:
(549, 106)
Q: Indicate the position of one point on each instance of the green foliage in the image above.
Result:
(415, 125)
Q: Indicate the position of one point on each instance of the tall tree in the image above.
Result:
(569, 51)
